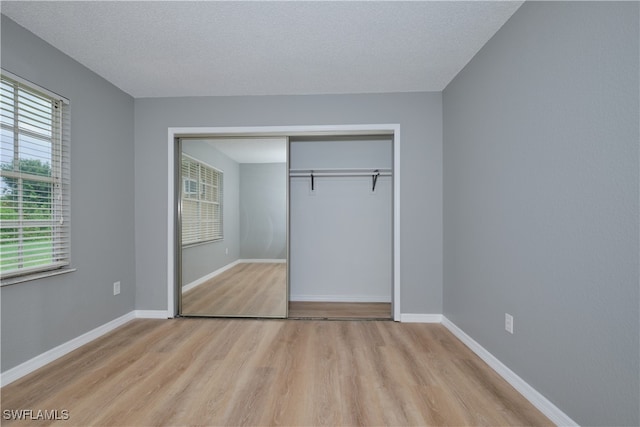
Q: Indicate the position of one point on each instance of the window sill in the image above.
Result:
(35, 276)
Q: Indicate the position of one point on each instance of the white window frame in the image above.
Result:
(59, 221)
(207, 224)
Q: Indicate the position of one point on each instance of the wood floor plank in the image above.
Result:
(240, 372)
(248, 289)
(339, 310)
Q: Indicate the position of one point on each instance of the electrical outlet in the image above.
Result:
(508, 323)
(116, 288)
(226, 251)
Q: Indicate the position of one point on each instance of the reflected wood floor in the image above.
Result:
(233, 372)
(247, 289)
(339, 310)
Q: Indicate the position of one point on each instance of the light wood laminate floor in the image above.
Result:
(339, 310)
(246, 289)
(233, 372)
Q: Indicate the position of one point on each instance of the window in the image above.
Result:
(34, 179)
(190, 187)
(201, 202)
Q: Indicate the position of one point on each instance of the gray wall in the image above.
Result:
(341, 232)
(541, 183)
(202, 259)
(541, 204)
(420, 118)
(42, 314)
(263, 210)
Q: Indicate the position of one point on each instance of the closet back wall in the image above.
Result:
(341, 231)
(419, 116)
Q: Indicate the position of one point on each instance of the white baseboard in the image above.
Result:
(151, 314)
(39, 361)
(340, 298)
(420, 318)
(213, 274)
(532, 395)
(258, 261)
(209, 276)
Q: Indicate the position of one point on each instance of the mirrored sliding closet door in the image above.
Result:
(232, 227)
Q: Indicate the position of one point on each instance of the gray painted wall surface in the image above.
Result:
(341, 232)
(202, 259)
(541, 204)
(341, 153)
(420, 118)
(42, 314)
(263, 210)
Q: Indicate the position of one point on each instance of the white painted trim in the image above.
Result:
(296, 130)
(396, 224)
(370, 129)
(213, 274)
(209, 276)
(151, 314)
(49, 356)
(420, 318)
(340, 298)
(532, 395)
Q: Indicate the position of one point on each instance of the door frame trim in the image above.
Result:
(284, 131)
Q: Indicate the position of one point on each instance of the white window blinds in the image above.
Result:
(202, 195)
(34, 179)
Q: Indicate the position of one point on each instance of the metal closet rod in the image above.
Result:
(339, 172)
(312, 173)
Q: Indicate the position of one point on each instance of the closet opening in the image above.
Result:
(343, 222)
(341, 227)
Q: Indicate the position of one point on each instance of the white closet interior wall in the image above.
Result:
(341, 245)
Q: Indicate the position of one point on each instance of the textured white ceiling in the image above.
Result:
(198, 48)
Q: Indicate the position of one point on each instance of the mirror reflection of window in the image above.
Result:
(240, 269)
(201, 202)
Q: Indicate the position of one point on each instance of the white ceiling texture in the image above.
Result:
(206, 48)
